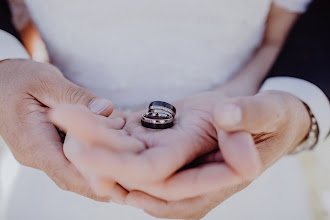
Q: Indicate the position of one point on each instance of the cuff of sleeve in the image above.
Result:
(299, 6)
(11, 48)
(310, 94)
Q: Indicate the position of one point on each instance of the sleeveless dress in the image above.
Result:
(132, 52)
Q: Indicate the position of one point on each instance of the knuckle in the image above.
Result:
(20, 159)
(169, 213)
(197, 215)
(58, 178)
(46, 69)
(62, 185)
(44, 73)
(77, 95)
(98, 198)
(25, 110)
(21, 155)
(159, 214)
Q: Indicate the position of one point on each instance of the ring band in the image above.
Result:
(157, 120)
(159, 106)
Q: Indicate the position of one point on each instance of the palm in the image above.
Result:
(193, 130)
(155, 156)
(192, 136)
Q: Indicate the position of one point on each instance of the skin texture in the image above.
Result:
(28, 89)
(245, 148)
(164, 151)
(222, 158)
(274, 137)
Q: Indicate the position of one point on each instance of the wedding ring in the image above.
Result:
(157, 120)
(159, 106)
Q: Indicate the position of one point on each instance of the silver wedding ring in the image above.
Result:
(159, 106)
(160, 115)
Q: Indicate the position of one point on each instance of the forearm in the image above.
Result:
(249, 79)
(306, 56)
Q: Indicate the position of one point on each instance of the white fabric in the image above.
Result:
(11, 48)
(308, 93)
(294, 5)
(119, 49)
(271, 197)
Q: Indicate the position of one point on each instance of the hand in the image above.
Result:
(95, 130)
(153, 167)
(27, 90)
(278, 122)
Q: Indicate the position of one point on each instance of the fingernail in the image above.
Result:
(230, 115)
(98, 105)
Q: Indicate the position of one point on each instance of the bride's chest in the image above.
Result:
(149, 12)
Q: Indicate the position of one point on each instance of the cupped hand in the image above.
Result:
(157, 165)
(27, 91)
(278, 122)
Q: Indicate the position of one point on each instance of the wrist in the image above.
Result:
(303, 124)
(308, 93)
(311, 138)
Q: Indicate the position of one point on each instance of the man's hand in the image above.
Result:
(27, 90)
(278, 122)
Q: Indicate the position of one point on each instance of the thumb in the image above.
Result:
(262, 113)
(63, 91)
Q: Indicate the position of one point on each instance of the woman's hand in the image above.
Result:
(154, 166)
(95, 130)
(278, 122)
(27, 90)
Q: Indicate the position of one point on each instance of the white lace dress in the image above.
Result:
(132, 52)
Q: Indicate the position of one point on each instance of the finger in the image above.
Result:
(108, 188)
(114, 123)
(49, 157)
(241, 162)
(262, 113)
(137, 171)
(196, 181)
(102, 187)
(209, 158)
(65, 92)
(161, 162)
(240, 153)
(194, 208)
(100, 106)
(93, 130)
(35, 142)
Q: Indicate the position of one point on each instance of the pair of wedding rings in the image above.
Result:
(160, 115)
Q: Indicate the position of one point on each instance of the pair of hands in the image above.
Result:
(218, 140)
(185, 171)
